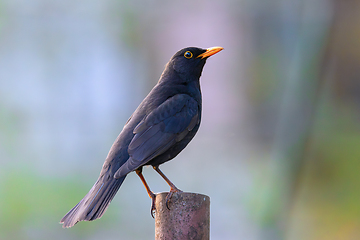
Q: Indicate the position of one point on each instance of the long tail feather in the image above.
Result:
(95, 202)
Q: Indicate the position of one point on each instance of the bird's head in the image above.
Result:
(189, 62)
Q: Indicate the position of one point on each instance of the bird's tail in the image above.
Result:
(95, 202)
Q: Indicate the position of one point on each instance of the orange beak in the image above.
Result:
(209, 52)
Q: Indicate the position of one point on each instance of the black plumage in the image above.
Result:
(159, 129)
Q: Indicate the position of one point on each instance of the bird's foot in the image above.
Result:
(153, 208)
(168, 197)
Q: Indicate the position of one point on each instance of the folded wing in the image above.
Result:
(160, 130)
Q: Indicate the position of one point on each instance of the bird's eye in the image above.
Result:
(188, 54)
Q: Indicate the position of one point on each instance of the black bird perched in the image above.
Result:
(159, 129)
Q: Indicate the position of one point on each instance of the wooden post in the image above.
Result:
(188, 217)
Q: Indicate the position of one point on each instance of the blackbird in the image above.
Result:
(159, 129)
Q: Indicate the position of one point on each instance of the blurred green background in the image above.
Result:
(278, 150)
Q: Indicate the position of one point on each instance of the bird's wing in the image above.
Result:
(166, 125)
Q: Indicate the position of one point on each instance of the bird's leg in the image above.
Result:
(151, 194)
(173, 188)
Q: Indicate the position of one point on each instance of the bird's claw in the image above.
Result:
(153, 208)
(168, 197)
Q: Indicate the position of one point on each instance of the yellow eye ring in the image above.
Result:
(188, 54)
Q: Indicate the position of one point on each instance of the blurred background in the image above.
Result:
(279, 146)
